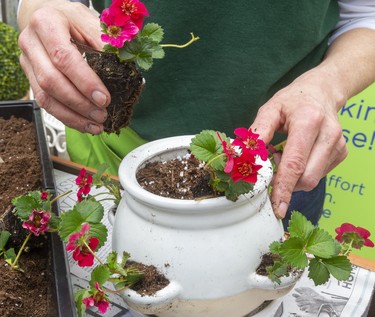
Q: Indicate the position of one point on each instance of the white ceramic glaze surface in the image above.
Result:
(209, 249)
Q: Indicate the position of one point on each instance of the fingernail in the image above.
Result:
(99, 98)
(98, 115)
(281, 210)
(93, 129)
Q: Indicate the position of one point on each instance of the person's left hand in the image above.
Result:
(307, 111)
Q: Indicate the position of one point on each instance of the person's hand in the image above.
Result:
(62, 82)
(307, 111)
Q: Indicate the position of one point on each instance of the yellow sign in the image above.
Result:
(350, 193)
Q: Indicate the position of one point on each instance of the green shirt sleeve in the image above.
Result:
(100, 5)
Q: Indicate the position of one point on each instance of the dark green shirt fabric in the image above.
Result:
(247, 51)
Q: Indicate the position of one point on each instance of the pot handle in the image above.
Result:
(162, 300)
(111, 215)
(259, 281)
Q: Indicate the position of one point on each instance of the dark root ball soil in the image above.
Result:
(123, 81)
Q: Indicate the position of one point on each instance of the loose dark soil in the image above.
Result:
(180, 178)
(19, 161)
(22, 294)
(152, 280)
(268, 259)
(123, 81)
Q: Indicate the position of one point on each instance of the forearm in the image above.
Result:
(28, 7)
(351, 61)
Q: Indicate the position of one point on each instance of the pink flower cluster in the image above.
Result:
(98, 299)
(38, 222)
(122, 21)
(240, 165)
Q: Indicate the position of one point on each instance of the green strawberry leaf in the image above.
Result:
(99, 231)
(133, 275)
(153, 31)
(91, 211)
(144, 60)
(275, 247)
(299, 226)
(4, 237)
(54, 221)
(113, 265)
(235, 189)
(78, 297)
(71, 221)
(318, 272)
(321, 244)
(140, 50)
(292, 251)
(339, 266)
(10, 254)
(24, 205)
(206, 147)
(276, 271)
(219, 184)
(158, 53)
(100, 274)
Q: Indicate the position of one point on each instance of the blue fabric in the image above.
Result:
(308, 203)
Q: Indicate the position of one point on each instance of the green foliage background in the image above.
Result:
(13, 82)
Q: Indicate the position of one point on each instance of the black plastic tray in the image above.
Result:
(63, 294)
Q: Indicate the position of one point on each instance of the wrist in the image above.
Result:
(323, 84)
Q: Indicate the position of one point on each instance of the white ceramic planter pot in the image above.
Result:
(209, 249)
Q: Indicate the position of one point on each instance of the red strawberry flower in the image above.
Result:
(38, 222)
(82, 246)
(129, 10)
(44, 195)
(356, 236)
(230, 152)
(98, 299)
(249, 141)
(245, 169)
(83, 181)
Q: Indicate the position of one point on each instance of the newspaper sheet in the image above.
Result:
(333, 299)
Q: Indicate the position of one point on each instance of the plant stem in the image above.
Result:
(115, 291)
(349, 248)
(193, 39)
(61, 195)
(93, 253)
(213, 159)
(14, 263)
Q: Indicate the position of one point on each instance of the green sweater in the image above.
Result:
(247, 51)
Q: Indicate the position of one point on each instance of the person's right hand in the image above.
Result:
(62, 82)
